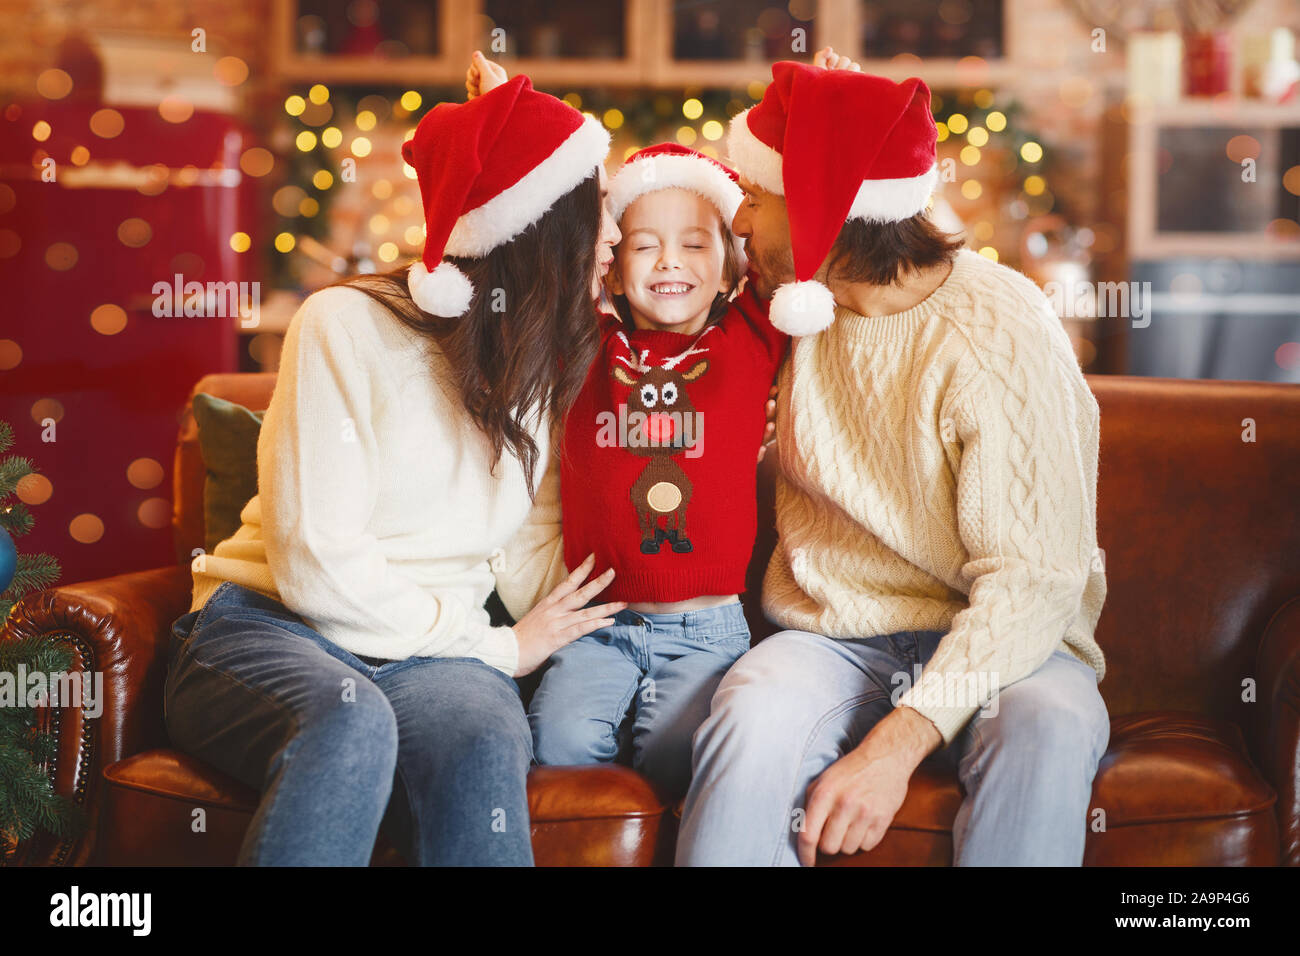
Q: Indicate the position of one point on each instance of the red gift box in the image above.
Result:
(1209, 63)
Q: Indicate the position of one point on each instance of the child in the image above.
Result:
(657, 474)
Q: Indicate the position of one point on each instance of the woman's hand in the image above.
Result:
(769, 430)
(561, 618)
(829, 59)
(483, 75)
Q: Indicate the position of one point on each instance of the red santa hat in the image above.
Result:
(488, 169)
(838, 145)
(672, 166)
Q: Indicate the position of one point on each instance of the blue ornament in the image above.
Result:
(8, 559)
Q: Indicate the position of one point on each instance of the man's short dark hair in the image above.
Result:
(882, 253)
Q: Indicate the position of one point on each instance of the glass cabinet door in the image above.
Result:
(551, 30)
(724, 30)
(390, 29)
(939, 29)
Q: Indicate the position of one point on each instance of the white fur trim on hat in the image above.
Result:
(513, 210)
(893, 200)
(445, 291)
(753, 158)
(877, 200)
(802, 308)
(653, 173)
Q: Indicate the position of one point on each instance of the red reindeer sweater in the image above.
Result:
(657, 467)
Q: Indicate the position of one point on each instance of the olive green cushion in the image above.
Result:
(228, 441)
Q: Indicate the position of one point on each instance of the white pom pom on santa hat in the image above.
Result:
(445, 291)
(802, 308)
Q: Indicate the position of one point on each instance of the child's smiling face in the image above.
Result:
(671, 261)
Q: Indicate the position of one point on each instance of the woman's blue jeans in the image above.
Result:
(436, 750)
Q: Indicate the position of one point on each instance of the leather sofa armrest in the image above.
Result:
(117, 627)
(1278, 725)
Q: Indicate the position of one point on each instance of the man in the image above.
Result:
(936, 506)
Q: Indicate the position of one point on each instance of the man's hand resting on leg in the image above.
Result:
(850, 806)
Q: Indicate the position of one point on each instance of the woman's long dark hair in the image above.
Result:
(530, 334)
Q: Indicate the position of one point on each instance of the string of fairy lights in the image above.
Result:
(992, 149)
(329, 142)
(326, 129)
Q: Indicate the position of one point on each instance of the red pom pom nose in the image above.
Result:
(659, 428)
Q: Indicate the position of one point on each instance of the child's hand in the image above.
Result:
(483, 75)
(830, 60)
(769, 430)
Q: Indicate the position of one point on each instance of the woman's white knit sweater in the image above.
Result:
(376, 519)
(939, 472)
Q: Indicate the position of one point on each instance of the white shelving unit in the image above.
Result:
(1146, 241)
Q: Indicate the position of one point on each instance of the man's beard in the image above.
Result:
(775, 268)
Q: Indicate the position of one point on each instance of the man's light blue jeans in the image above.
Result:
(799, 701)
(435, 749)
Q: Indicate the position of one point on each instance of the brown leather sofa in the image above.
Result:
(1201, 631)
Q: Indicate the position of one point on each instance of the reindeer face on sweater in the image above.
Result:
(661, 396)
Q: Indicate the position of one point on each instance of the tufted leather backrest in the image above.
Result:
(1201, 534)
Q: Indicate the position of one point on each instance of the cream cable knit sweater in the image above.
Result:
(938, 471)
(376, 518)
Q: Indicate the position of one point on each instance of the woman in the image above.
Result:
(336, 655)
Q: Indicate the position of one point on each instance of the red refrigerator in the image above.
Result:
(85, 243)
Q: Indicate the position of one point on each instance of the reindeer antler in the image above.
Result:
(640, 361)
(672, 362)
(639, 366)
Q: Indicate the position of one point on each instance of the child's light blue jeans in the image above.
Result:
(638, 688)
(799, 701)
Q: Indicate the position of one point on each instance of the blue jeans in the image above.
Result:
(637, 688)
(436, 750)
(799, 701)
